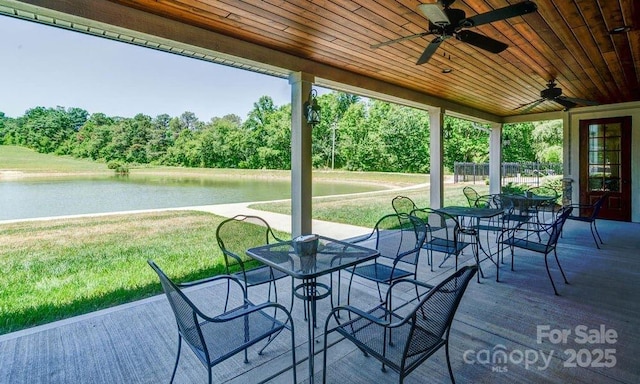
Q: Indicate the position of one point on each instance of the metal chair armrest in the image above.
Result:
(361, 238)
(209, 280)
(237, 258)
(405, 280)
(410, 281)
(251, 308)
(357, 311)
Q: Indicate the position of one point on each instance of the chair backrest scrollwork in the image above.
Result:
(434, 314)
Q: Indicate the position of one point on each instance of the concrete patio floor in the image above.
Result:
(136, 342)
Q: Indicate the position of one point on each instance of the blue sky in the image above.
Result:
(47, 66)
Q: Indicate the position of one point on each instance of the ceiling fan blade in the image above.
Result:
(565, 103)
(401, 39)
(526, 104)
(481, 41)
(430, 50)
(579, 101)
(445, 3)
(500, 14)
(531, 105)
(435, 14)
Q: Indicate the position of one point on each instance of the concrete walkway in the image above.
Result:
(282, 222)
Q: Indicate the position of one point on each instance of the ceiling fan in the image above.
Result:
(446, 22)
(553, 93)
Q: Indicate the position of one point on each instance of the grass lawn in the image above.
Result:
(61, 268)
(29, 162)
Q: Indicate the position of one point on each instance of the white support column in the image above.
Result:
(495, 158)
(436, 150)
(301, 164)
(570, 177)
(567, 145)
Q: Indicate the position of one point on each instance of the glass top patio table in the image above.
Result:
(529, 204)
(477, 214)
(331, 255)
(533, 199)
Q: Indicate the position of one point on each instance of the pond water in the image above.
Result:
(55, 197)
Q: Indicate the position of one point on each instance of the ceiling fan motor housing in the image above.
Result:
(550, 93)
(446, 3)
(447, 29)
(455, 16)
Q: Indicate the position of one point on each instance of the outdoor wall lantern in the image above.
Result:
(312, 109)
(506, 141)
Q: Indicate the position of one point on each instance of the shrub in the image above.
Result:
(515, 189)
(553, 182)
(118, 167)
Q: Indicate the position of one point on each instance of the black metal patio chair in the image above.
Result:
(589, 214)
(546, 242)
(403, 336)
(512, 215)
(471, 195)
(547, 208)
(215, 338)
(403, 204)
(489, 228)
(444, 235)
(399, 239)
(509, 218)
(239, 233)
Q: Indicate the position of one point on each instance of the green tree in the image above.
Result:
(463, 142)
(358, 146)
(519, 148)
(190, 121)
(3, 118)
(220, 142)
(232, 118)
(333, 106)
(405, 132)
(117, 147)
(136, 132)
(257, 131)
(186, 151)
(160, 139)
(78, 117)
(45, 129)
(547, 141)
(275, 152)
(93, 137)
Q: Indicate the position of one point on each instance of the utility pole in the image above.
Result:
(333, 143)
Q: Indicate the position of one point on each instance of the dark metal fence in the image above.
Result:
(517, 173)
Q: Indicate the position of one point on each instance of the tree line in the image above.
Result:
(354, 134)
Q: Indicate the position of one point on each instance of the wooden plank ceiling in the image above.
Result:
(565, 40)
